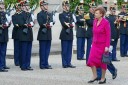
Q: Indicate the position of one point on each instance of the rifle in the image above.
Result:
(9, 9)
(33, 9)
(29, 18)
(54, 12)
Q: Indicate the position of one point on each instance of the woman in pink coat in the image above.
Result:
(100, 44)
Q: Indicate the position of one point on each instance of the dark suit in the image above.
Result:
(80, 34)
(44, 37)
(3, 39)
(66, 37)
(25, 38)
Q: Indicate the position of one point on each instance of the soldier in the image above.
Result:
(89, 20)
(15, 36)
(25, 37)
(123, 32)
(66, 35)
(112, 18)
(45, 20)
(80, 33)
(4, 25)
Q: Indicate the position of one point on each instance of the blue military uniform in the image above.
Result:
(3, 40)
(66, 37)
(89, 34)
(114, 34)
(80, 34)
(123, 36)
(25, 39)
(44, 19)
(15, 37)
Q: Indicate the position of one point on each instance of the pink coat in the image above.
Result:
(101, 39)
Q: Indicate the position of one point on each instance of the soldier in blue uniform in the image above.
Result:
(123, 32)
(89, 34)
(25, 37)
(15, 36)
(113, 19)
(66, 35)
(80, 33)
(4, 25)
(45, 20)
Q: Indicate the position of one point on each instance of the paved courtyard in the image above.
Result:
(59, 75)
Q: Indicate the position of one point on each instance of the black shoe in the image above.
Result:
(17, 65)
(48, 67)
(91, 81)
(6, 67)
(78, 58)
(115, 60)
(122, 55)
(65, 66)
(83, 59)
(115, 74)
(29, 68)
(42, 67)
(102, 82)
(3, 70)
(23, 69)
(71, 66)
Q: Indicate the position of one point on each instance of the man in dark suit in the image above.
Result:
(25, 37)
(15, 34)
(80, 33)
(66, 35)
(4, 25)
(45, 20)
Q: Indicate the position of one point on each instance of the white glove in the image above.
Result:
(51, 24)
(112, 40)
(54, 18)
(9, 19)
(7, 23)
(32, 24)
(74, 18)
(110, 48)
(73, 24)
(33, 17)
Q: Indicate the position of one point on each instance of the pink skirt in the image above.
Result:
(95, 57)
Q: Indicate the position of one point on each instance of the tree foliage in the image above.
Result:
(32, 2)
(74, 3)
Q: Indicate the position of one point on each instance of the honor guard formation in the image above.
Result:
(84, 23)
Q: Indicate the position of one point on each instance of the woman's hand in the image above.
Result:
(106, 49)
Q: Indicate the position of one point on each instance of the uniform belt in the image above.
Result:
(81, 26)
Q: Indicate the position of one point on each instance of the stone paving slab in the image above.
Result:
(59, 75)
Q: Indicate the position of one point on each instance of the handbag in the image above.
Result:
(106, 58)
